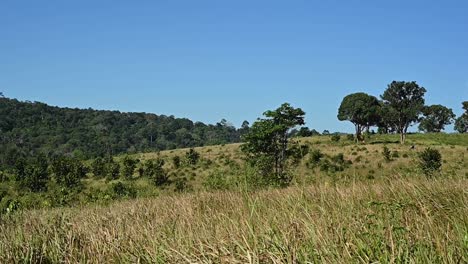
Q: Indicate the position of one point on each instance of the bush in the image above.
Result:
(430, 161)
(154, 170)
(98, 167)
(128, 166)
(338, 158)
(192, 157)
(335, 137)
(350, 137)
(299, 152)
(181, 185)
(68, 172)
(120, 189)
(386, 154)
(315, 156)
(112, 170)
(176, 162)
(395, 154)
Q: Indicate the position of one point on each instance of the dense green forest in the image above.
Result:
(29, 128)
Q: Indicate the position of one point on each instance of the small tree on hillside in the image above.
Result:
(405, 101)
(98, 167)
(128, 166)
(360, 109)
(461, 124)
(266, 144)
(68, 172)
(436, 117)
(192, 157)
(430, 161)
(153, 169)
(36, 175)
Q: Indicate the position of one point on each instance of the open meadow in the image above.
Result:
(353, 204)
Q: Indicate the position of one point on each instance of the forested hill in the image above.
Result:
(32, 127)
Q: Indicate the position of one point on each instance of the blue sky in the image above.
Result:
(208, 60)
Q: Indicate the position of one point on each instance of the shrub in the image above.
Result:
(154, 170)
(120, 189)
(386, 154)
(338, 158)
(315, 156)
(181, 185)
(98, 167)
(350, 137)
(68, 172)
(128, 166)
(395, 154)
(192, 157)
(176, 162)
(112, 170)
(335, 137)
(300, 152)
(430, 161)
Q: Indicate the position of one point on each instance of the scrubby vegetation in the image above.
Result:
(278, 198)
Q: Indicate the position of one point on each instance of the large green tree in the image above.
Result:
(266, 143)
(461, 124)
(405, 101)
(360, 109)
(436, 117)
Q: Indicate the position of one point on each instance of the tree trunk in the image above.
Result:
(358, 133)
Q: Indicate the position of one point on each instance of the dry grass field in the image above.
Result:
(372, 211)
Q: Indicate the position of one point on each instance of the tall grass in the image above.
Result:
(392, 221)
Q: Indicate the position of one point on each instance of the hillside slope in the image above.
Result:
(32, 127)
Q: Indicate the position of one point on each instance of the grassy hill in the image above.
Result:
(352, 206)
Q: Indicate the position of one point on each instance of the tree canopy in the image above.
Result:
(405, 101)
(32, 127)
(461, 124)
(360, 109)
(266, 143)
(436, 117)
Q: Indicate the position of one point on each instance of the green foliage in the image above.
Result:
(461, 123)
(181, 185)
(154, 170)
(176, 162)
(350, 137)
(387, 154)
(32, 175)
(192, 157)
(216, 181)
(112, 169)
(335, 137)
(128, 166)
(430, 161)
(67, 171)
(87, 133)
(315, 156)
(120, 189)
(436, 117)
(403, 103)
(266, 144)
(360, 109)
(98, 167)
(298, 152)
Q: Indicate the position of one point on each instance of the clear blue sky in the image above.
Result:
(208, 60)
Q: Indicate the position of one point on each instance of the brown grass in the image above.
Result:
(393, 221)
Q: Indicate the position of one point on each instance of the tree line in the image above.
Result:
(402, 104)
(31, 128)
